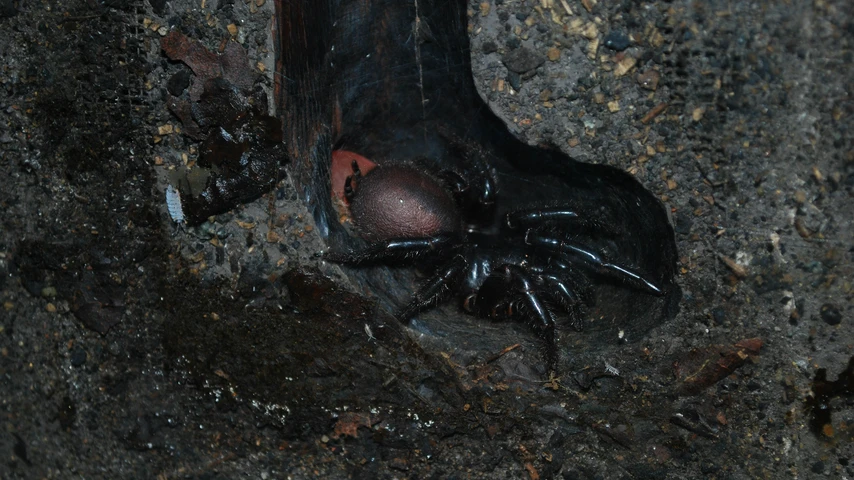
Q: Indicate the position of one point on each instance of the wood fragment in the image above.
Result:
(656, 111)
(737, 270)
(649, 79)
(588, 4)
(532, 471)
(802, 230)
(484, 9)
(625, 65)
(566, 7)
(503, 352)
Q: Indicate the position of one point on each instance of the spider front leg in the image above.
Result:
(593, 260)
(534, 216)
(555, 215)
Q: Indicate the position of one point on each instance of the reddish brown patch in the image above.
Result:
(342, 161)
(202, 61)
(348, 424)
(232, 64)
(701, 368)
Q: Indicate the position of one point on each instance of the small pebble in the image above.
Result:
(617, 40)
(649, 79)
(484, 8)
(78, 356)
(830, 314)
(718, 315)
(515, 80)
(114, 349)
(179, 82)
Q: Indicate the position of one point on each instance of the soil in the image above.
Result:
(134, 347)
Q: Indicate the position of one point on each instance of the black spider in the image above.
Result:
(521, 264)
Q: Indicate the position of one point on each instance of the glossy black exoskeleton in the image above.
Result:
(526, 264)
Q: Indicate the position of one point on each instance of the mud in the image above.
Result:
(131, 347)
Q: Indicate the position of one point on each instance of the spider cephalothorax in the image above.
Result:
(523, 264)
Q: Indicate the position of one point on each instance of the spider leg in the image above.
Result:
(473, 181)
(349, 192)
(445, 279)
(564, 288)
(511, 292)
(454, 181)
(477, 199)
(395, 249)
(534, 216)
(562, 215)
(536, 311)
(573, 280)
(566, 297)
(593, 260)
(564, 294)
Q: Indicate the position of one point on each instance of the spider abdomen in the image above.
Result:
(402, 202)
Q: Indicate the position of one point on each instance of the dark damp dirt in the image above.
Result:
(131, 348)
